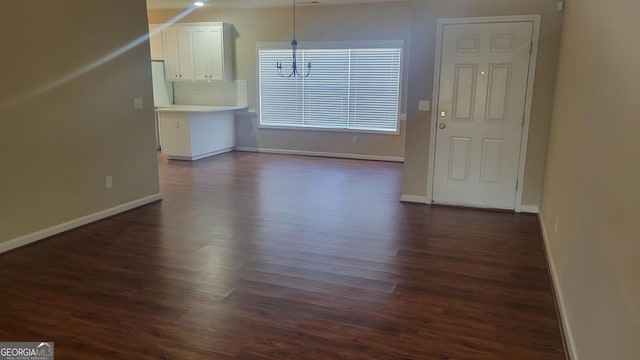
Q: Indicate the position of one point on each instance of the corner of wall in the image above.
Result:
(72, 224)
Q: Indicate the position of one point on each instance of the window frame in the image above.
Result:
(312, 45)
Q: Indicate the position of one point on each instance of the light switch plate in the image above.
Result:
(138, 104)
(424, 105)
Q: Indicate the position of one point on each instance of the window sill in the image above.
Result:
(304, 128)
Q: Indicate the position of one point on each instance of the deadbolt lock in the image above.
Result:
(443, 114)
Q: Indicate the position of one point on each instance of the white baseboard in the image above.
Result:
(56, 229)
(567, 335)
(322, 154)
(415, 199)
(533, 209)
(201, 156)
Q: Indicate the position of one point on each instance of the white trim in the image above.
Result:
(488, 19)
(434, 111)
(355, 44)
(415, 199)
(533, 209)
(567, 334)
(527, 109)
(201, 156)
(528, 100)
(468, 205)
(57, 229)
(322, 154)
(342, 130)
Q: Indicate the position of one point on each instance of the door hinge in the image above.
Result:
(516, 185)
(523, 117)
(530, 48)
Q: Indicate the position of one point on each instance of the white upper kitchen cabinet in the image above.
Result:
(198, 52)
(208, 52)
(178, 53)
(155, 42)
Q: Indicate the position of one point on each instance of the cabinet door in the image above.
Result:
(216, 54)
(178, 53)
(208, 53)
(155, 42)
(185, 53)
(171, 68)
(201, 53)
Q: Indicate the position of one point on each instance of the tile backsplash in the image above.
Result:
(211, 93)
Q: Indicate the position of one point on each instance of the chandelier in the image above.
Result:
(294, 62)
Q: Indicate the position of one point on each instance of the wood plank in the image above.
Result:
(261, 256)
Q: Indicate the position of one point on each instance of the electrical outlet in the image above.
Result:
(355, 138)
(177, 124)
(109, 182)
(555, 227)
(560, 6)
(138, 104)
(253, 132)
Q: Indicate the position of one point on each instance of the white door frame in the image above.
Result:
(528, 99)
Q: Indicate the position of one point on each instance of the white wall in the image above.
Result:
(422, 62)
(591, 179)
(386, 21)
(62, 129)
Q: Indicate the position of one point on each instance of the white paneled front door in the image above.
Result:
(480, 112)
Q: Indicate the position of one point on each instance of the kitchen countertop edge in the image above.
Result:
(198, 108)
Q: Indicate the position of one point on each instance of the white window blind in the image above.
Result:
(349, 88)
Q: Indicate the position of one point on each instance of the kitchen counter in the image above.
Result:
(197, 108)
(192, 132)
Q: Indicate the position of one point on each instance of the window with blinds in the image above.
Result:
(348, 89)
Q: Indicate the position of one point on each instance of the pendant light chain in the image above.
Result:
(294, 47)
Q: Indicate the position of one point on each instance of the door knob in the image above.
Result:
(441, 126)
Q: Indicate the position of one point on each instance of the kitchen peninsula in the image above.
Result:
(192, 132)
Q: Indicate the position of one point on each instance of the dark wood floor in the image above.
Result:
(256, 256)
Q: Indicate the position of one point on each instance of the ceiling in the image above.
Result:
(183, 4)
